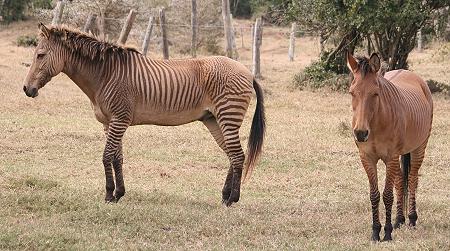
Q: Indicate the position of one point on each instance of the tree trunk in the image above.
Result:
(227, 27)
(194, 28)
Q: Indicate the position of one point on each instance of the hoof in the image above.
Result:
(231, 199)
(112, 199)
(227, 203)
(387, 237)
(376, 232)
(109, 198)
(412, 219)
(225, 195)
(399, 222)
(375, 238)
(118, 195)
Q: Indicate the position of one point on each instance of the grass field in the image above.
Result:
(309, 190)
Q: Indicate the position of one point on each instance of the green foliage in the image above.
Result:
(42, 4)
(335, 64)
(318, 76)
(13, 10)
(241, 8)
(388, 27)
(212, 45)
(27, 41)
(274, 11)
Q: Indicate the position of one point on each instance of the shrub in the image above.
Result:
(212, 45)
(315, 76)
(27, 41)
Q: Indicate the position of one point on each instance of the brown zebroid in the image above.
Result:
(126, 89)
(392, 116)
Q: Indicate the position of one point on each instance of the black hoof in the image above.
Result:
(110, 200)
(234, 197)
(118, 195)
(375, 237)
(376, 232)
(387, 237)
(227, 203)
(399, 222)
(412, 219)
(226, 194)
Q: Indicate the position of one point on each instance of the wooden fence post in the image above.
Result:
(57, 16)
(127, 27)
(233, 39)
(148, 35)
(227, 27)
(101, 25)
(162, 23)
(242, 37)
(194, 29)
(256, 48)
(419, 40)
(89, 22)
(253, 39)
(292, 42)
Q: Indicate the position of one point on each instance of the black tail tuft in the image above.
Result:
(257, 131)
(406, 165)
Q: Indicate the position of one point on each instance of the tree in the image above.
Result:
(387, 26)
(14, 10)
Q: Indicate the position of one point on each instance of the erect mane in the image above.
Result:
(85, 44)
(363, 65)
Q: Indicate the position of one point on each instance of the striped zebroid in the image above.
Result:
(126, 88)
(392, 116)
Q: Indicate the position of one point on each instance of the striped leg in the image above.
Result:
(416, 161)
(112, 157)
(230, 131)
(214, 129)
(370, 166)
(117, 166)
(392, 172)
(232, 184)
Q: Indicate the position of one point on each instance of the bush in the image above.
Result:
(27, 41)
(212, 45)
(316, 76)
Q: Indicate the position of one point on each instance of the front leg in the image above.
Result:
(392, 173)
(118, 174)
(370, 166)
(112, 157)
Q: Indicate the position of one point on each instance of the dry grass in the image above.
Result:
(308, 192)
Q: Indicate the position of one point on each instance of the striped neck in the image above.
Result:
(84, 72)
(389, 102)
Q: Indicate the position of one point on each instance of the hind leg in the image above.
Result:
(416, 161)
(236, 154)
(230, 144)
(214, 129)
(229, 119)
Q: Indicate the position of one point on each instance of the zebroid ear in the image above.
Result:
(44, 30)
(351, 62)
(374, 62)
